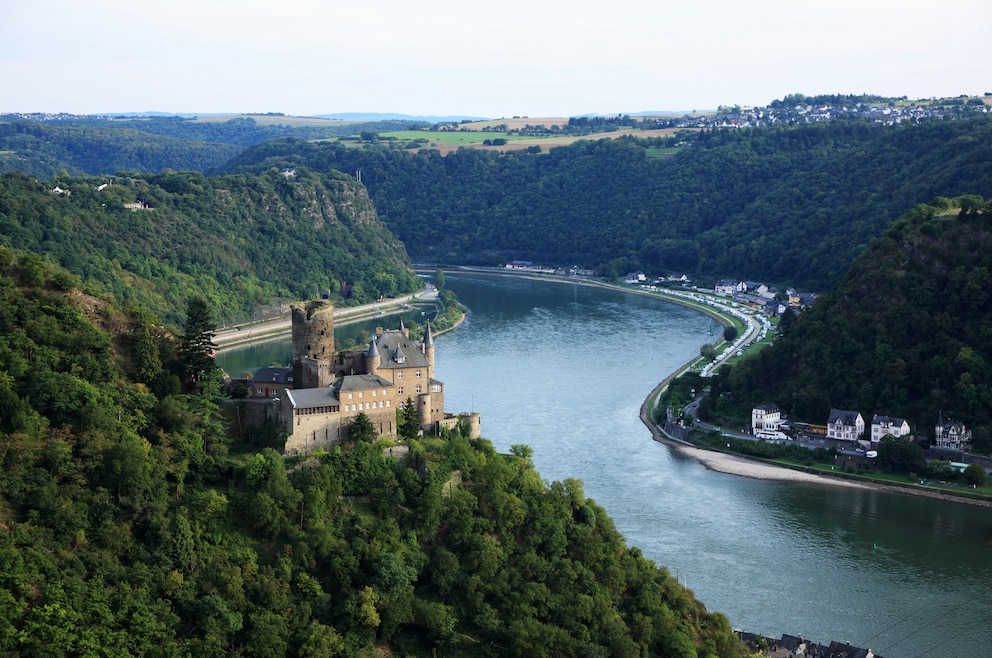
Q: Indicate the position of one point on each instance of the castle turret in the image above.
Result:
(428, 347)
(372, 358)
(313, 343)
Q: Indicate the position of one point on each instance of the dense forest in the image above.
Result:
(243, 242)
(95, 145)
(787, 205)
(130, 525)
(906, 333)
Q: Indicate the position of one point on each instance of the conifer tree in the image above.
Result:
(196, 345)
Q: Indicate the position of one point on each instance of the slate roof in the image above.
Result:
(848, 418)
(398, 351)
(273, 375)
(350, 383)
(308, 398)
(887, 420)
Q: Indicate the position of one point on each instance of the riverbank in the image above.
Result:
(275, 327)
(742, 466)
(738, 464)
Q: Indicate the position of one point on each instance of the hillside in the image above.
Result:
(45, 145)
(131, 526)
(907, 332)
(243, 242)
(791, 204)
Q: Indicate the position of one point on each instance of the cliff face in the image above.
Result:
(242, 241)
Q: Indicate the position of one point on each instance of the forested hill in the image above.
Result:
(906, 333)
(792, 204)
(130, 526)
(242, 241)
(96, 145)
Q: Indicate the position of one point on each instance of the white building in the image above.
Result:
(882, 425)
(845, 425)
(766, 417)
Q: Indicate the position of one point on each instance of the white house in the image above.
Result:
(882, 425)
(845, 425)
(766, 417)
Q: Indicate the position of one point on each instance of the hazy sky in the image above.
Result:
(513, 57)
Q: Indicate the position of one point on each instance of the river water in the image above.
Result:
(564, 369)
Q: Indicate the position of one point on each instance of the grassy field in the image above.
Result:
(469, 136)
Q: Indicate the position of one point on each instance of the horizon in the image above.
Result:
(533, 59)
(397, 116)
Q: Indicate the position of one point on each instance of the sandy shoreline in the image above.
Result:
(735, 465)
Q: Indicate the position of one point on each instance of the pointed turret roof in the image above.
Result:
(428, 338)
(373, 350)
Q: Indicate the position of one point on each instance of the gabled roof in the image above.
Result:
(769, 407)
(849, 418)
(273, 375)
(887, 420)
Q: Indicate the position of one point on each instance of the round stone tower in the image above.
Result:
(313, 343)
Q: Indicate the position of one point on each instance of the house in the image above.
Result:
(766, 417)
(773, 309)
(754, 288)
(845, 425)
(882, 425)
(271, 382)
(635, 277)
(951, 435)
(801, 299)
(726, 287)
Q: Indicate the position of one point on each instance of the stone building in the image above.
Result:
(330, 389)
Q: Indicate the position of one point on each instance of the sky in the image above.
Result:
(534, 58)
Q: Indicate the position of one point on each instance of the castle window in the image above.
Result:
(418, 389)
(418, 373)
(349, 396)
(387, 403)
(361, 395)
(375, 393)
(399, 375)
(399, 391)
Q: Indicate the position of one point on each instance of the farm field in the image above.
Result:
(466, 137)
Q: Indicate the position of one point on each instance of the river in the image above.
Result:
(564, 369)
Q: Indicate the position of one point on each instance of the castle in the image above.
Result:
(324, 390)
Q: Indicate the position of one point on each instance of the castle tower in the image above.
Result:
(372, 358)
(313, 343)
(428, 346)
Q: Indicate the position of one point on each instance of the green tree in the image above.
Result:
(196, 345)
(362, 429)
(975, 474)
(439, 279)
(729, 333)
(897, 454)
(409, 421)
